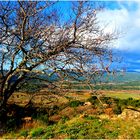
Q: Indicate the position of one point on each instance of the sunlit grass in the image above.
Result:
(123, 94)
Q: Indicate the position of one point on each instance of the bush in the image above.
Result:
(30, 87)
(132, 102)
(48, 133)
(117, 110)
(75, 103)
(24, 133)
(93, 100)
(127, 102)
(37, 132)
(53, 110)
(107, 100)
(88, 117)
(64, 119)
(42, 115)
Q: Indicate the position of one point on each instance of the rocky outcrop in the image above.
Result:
(130, 113)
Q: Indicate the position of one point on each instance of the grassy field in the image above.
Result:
(122, 94)
(87, 127)
(77, 114)
(69, 118)
(43, 97)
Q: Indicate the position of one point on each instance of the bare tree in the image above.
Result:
(35, 39)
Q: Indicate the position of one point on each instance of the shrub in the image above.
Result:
(42, 115)
(37, 132)
(127, 102)
(137, 133)
(53, 110)
(88, 117)
(31, 87)
(136, 103)
(75, 103)
(24, 133)
(93, 100)
(64, 119)
(107, 100)
(117, 110)
(48, 132)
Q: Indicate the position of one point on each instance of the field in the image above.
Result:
(114, 113)
(75, 115)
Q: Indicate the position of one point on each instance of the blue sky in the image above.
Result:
(124, 17)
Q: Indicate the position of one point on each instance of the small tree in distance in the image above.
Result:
(35, 38)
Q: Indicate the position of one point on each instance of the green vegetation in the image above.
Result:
(70, 118)
(134, 85)
(123, 94)
(84, 125)
(23, 133)
(75, 103)
(85, 128)
(36, 132)
(130, 85)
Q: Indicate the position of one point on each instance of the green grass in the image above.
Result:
(131, 85)
(122, 95)
(36, 132)
(89, 127)
(23, 133)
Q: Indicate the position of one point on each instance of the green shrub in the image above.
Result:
(93, 100)
(49, 132)
(53, 110)
(88, 117)
(107, 100)
(117, 110)
(127, 102)
(136, 103)
(24, 133)
(42, 115)
(75, 103)
(37, 132)
(64, 119)
(137, 133)
(111, 134)
(48, 135)
(30, 87)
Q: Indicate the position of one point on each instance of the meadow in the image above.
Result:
(114, 113)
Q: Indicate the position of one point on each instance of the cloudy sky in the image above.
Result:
(124, 17)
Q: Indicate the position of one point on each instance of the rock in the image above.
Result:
(88, 103)
(129, 114)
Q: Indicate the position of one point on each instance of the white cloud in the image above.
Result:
(125, 20)
(137, 70)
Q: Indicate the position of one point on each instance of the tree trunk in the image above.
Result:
(3, 118)
(3, 111)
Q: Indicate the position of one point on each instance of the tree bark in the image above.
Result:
(3, 112)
